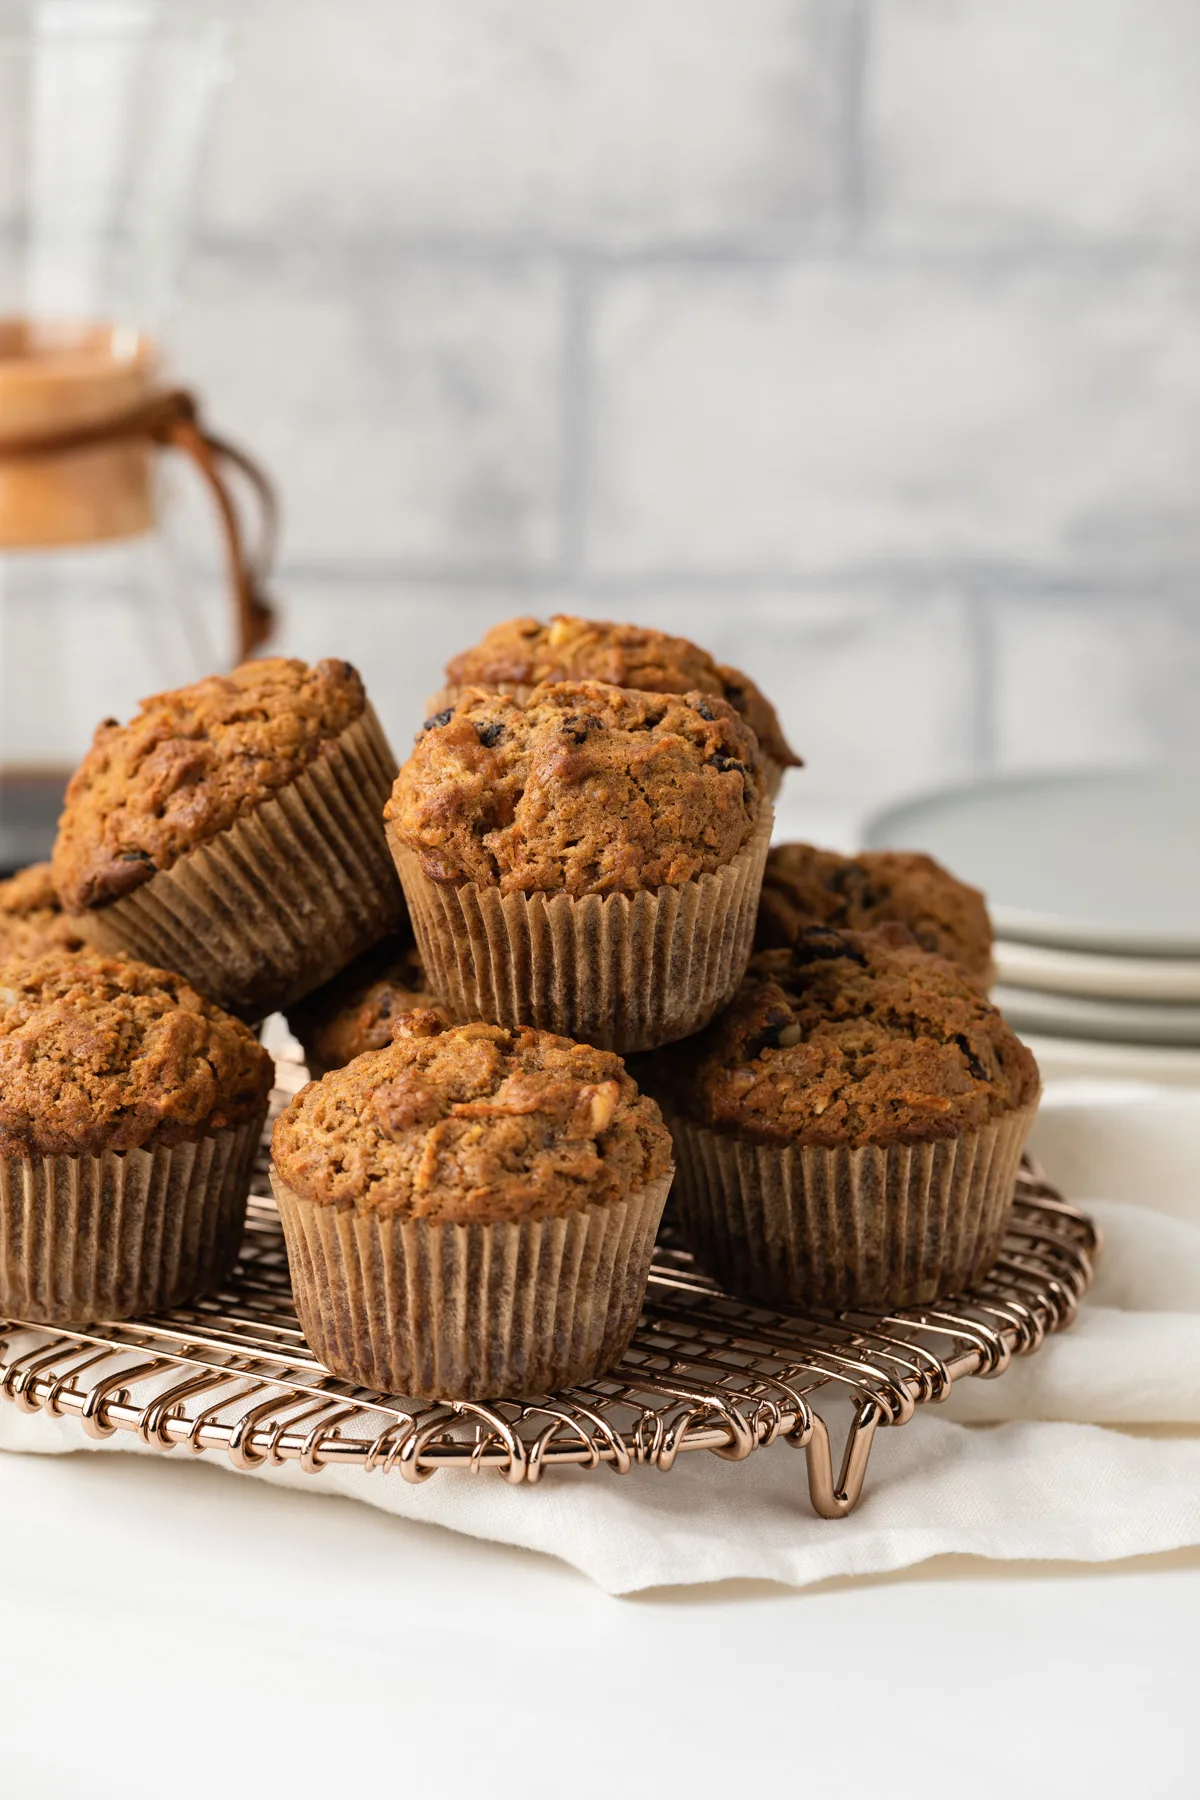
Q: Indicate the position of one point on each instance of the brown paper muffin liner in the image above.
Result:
(622, 971)
(110, 1236)
(469, 1312)
(283, 898)
(773, 772)
(870, 1228)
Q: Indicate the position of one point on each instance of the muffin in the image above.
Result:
(803, 886)
(471, 1211)
(522, 653)
(231, 831)
(130, 1114)
(358, 1009)
(587, 860)
(31, 919)
(848, 1132)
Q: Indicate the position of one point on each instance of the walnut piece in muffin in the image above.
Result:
(472, 1122)
(580, 789)
(31, 920)
(98, 1053)
(190, 763)
(526, 652)
(853, 1038)
(358, 1009)
(804, 886)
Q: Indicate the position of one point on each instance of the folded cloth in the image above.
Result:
(1057, 1472)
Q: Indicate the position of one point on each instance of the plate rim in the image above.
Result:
(1032, 1009)
(1089, 974)
(1047, 930)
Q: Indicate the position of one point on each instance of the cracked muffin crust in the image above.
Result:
(358, 1009)
(804, 886)
(526, 652)
(98, 1053)
(472, 1123)
(581, 789)
(852, 1038)
(189, 764)
(31, 920)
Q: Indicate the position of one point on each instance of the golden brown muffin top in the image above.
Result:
(97, 1053)
(472, 1122)
(804, 886)
(853, 1038)
(527, 652)
(581, 789)
(31, 919)
(358, 1009)
(189, 764)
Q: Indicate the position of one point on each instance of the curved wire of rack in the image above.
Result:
(232, 1373)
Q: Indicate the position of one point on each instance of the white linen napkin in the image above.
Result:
(1088, 1450)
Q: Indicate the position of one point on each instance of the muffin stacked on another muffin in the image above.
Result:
(31, 919)
(848, 1131)
(587, 860)
(472, 1210)
(231, 831)
(521, 654)
(359, 1008)
(804, 886)
(130, 1114)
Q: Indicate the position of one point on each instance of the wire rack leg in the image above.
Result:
(830, 1499)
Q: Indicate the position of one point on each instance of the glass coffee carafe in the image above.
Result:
(103, 109)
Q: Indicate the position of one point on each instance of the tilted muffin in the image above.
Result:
(520, 654)
(471, 1211)
(31, 918)
(358, 1009)
(587, 859)
(130, 1113)
(849, 1130)
(804, 886)
(231, 831)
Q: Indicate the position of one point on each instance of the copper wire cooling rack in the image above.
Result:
(232, 1373)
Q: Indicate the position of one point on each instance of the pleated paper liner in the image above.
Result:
(773, 772)
(869, 1228)
(459, 1312)
(283, 898)
(622, 971)
(122, 1233)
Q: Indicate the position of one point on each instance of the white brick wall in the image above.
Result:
(1094, 681)
(409, 408)
(599, 120)
(856, 338)
(857, 413)
(1052, 119)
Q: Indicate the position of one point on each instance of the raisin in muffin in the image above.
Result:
(848, 1131)
(231, 831)
(804, 886)
(587, 859)
(130, 1113)
(471, 1211)
(522, 653)
(31, 918)
(358, 1009)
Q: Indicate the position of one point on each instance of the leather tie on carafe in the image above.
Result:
(172, 419)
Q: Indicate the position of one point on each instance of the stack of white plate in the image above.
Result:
(1093, 881)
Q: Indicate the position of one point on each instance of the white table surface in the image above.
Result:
(169, 1628)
